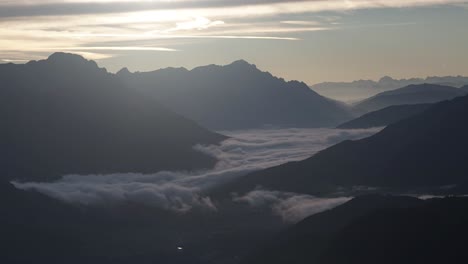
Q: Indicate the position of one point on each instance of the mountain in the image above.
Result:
(385, 116)
(412, 94)
(370, 229)
(421, 153)
(237, 96)
(433, 232)
(38, 229)
(64, 115)
(358, 90)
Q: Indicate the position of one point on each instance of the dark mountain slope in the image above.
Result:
(372, 229)
(434, 232)
(306, 241)
(412, 94)
(237, 96)
(426, 150)
(65, 115)
(385, 116)
(35, 228)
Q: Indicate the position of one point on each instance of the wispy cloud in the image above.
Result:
(47, 24)
(56, 7)
(291, 207)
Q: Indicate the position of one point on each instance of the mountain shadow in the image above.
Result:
(64, 115)
(412, 94)
(237, 96)
(385, 116)
(35, 228)
(370, 229)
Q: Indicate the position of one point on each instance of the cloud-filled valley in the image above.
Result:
(243, 152)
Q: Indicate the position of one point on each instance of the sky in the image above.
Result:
(312, 41)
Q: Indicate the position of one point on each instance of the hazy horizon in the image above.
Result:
(310, 41)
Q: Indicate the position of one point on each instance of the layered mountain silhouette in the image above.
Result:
(65, 115)
(357, 90)
(370, 229)
(237, 96)
(385, 116)
(424, 151)
(412, 94)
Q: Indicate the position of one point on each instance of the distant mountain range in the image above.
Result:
(412, 94)
(358, 90)
(385, 116)
(421, 153)
(374, 229)
(64, 115)
(237, 96)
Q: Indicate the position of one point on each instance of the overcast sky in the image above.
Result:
(312, 41)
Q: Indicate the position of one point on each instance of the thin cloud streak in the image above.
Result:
(51, 8)
(291, 207)
(77, 23)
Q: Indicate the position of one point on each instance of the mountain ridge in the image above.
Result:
(65, 115)
(411, 94)
(395, 159)
(227, 97)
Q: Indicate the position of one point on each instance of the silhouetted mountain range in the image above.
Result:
(385, 116)
(412, 94)
(424, 151)
(237, 96)
(375, 229)
(352, 91)
(64, 115)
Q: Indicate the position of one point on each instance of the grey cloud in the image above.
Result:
(291, 207)
(244, 152)
(48, 8)
(52, 8)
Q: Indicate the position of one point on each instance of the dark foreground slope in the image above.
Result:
(237, 96)
(375, 229)
(412, 94)
(65, 115)
(385, 116)
(425, 151)
(37, 229)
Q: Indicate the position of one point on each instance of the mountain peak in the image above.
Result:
(71, 60)
(386, 79)
(62, 56)
(123, 71)
(242, 63)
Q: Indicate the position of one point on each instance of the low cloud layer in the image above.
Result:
(245, 152)
(291, 207)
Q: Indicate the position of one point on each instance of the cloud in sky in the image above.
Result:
(30, 29)
(245, 152)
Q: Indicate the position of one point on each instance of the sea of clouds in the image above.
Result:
(244, 152)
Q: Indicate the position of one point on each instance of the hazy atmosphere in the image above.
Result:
(233, 132)
(312, 41)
